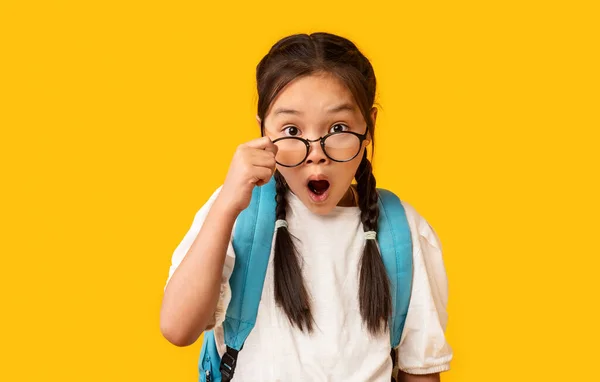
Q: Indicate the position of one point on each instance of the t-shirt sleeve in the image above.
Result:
(185, 244)
(423, 347)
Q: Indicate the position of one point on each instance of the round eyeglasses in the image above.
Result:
(340, 146)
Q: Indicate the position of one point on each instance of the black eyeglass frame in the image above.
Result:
(307, 142)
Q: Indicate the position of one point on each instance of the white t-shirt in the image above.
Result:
(340, 348)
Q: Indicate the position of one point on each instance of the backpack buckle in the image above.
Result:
(228, 362)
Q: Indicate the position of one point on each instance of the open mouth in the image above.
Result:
(318, 189)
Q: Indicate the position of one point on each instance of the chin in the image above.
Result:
(320, 207)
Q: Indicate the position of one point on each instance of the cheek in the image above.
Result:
(346, 171)
(290, 174)
(349, 168)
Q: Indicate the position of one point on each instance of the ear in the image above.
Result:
(258, 120)
(373, 118)
(374, 114)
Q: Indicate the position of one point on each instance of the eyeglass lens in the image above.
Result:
(339, 147)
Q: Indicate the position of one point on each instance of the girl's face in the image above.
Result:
(311, 107)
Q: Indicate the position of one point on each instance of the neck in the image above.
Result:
(349, 199)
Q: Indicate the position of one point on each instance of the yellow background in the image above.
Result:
(118, 120)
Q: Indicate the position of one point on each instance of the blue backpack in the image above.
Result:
(255, 227)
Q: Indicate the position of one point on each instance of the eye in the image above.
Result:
(338, 127)
(292, 131)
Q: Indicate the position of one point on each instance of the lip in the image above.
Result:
(314, 197)
(317, 177)
(318, 198)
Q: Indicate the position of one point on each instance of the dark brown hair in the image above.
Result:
(302, 55)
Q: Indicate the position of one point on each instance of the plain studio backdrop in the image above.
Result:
(118, 120)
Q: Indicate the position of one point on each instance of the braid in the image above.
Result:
(280, 197)
(290, 293)
(374, 293)
(367, 195)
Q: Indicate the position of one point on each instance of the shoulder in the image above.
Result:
(420, 226)
(429, 268)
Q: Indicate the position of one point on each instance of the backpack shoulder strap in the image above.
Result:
(395, 245)
(252, 241)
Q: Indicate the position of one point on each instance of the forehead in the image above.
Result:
(314, 95)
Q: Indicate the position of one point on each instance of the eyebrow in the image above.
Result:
(335, 109)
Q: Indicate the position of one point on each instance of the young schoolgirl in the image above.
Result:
(327, 300)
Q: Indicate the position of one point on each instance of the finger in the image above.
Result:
(263, 158)
(271, 147)
(262, 174)
(260, 143)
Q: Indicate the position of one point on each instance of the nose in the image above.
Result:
(316, 154)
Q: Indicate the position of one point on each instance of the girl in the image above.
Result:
(325, 305)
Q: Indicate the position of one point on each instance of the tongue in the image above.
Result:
(319, 186)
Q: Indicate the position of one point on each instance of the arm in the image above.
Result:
(404, 377)
(193, 291)
(191, 295)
